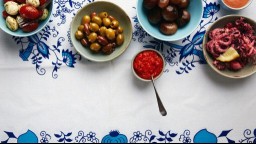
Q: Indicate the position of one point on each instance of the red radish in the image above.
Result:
(29, 12)
(30, 27)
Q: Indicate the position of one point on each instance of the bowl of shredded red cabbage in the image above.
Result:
(230, 46)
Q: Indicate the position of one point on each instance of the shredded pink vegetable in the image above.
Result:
(239, 35)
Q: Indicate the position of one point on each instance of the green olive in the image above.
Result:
(120, 39)
(86, 19)
(95, 47)
(114, 24)
(116, 32)
(79, 35)
(110, 33)
(92, 37)
(103, 15)
(97, 20)
(81, 27)
(120, 29)
(102, 31)
(94, 27)
(106, 22)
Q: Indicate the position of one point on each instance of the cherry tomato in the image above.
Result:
(30, 27)
(5, 14)
(29, 12)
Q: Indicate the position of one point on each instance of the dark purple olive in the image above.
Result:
(163, 3)
(154, 16)
(150, 4)
(184, 4)
(168, 28)
(170, 13)
(175, 2)
(184, 18)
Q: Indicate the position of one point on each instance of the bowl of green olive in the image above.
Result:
(101, 31)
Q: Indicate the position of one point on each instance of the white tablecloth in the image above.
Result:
(50, 95)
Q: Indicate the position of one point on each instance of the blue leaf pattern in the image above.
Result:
(10, 135)
(43, 49)
(186, 51)
(198, 38)
(225, 133)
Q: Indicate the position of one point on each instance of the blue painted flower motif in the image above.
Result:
(115, 137)
(35, 47)
(68, 58)
(205, 136)
(28, 137)
(65, 7)
(83, 138)
(210, 9)
(91, 136)
(137, 136)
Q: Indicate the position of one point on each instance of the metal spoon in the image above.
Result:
(160, 104)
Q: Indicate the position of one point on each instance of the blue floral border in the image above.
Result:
(202, 136)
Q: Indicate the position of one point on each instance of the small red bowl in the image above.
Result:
(146, 63)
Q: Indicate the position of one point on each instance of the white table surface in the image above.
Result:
(103, 97)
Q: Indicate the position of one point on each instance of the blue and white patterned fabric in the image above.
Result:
(49, 93)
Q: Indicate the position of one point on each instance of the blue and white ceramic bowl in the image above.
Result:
(19, 32)
(195, 9)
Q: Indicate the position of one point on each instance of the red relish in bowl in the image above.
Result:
(148, 63)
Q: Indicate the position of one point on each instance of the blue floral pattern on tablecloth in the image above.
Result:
(202, 136)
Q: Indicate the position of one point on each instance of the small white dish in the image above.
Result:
(227, 7)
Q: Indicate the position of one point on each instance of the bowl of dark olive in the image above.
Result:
(169, 20)
(101, 31)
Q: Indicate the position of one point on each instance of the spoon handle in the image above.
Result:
(160, 104)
